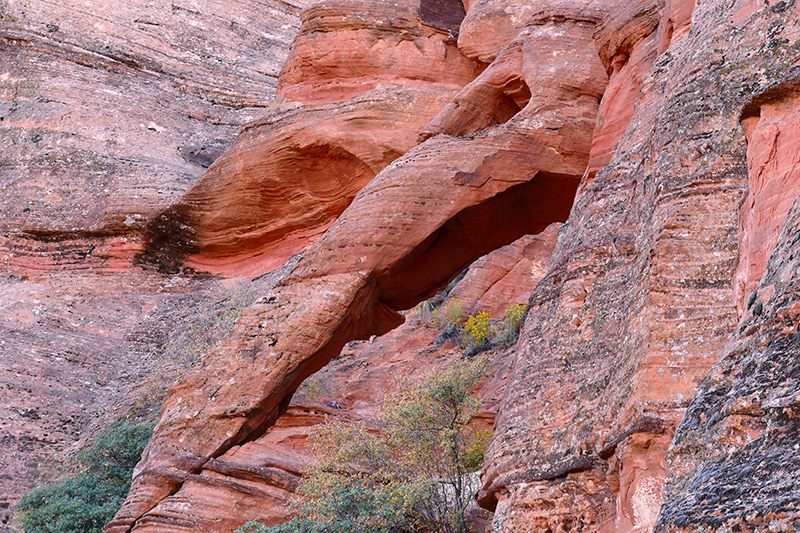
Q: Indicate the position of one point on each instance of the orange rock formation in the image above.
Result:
(654, 386)
(256, 480)
(362, 79)
(408, 232)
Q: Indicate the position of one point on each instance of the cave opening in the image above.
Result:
(527, 208)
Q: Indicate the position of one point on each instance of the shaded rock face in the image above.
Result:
(630, 318)
(502, 278)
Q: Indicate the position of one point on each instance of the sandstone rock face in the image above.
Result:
(349, 47)
(286, 179)
(109, 115)
(257, 480)
(773, 184)
(407, 233)
(735, 456)
(101, 343)
(66, 339)
(109, 112)
(490, 25)
(362, 80)
(673, 121)
(507, 276)
(629, 319)
(737, 443)
(628, 44)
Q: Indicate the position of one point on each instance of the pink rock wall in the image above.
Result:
(617, 361)
(407, 233)
(660, 115)
(774, 183)
(109, 112)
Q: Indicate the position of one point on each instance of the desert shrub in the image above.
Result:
(509, 333)
(451, 314)
(454, 312)
(409, 472)
(449, 318)
(85, 502)
(476, 333)
(514, 315)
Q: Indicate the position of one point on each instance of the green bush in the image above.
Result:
(85, 502)
(412, 475)
(476, 331)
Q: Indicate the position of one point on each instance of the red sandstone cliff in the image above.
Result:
(109, 112)
(661, 132)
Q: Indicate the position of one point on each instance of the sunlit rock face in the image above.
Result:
(257, 479)
(415, 226)
(362, 79)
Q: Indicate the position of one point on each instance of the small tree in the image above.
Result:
(411, 474)
(85, 502)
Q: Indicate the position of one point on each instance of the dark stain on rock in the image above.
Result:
(445, 15)
(169, 240)
(752, 299)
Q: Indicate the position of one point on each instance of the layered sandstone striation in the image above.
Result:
(737, 443)
(109, 112)
(362, 79)
(654, 386)
(734, 462)
(257, 479)
(408, 232)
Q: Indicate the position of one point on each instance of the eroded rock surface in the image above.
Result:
(734, 461)
(407, 233)
(674, 122)
(639, 303)
(362, 80)
(257, 480)
(109, 112)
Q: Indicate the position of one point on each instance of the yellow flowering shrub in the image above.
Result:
(514, 315)
(477, 329)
